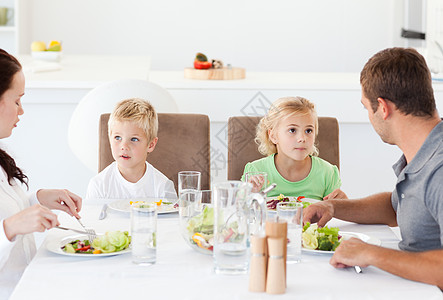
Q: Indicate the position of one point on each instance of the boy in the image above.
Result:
(132, 130)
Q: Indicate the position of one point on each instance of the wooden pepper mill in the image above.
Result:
(276, 278)
(258, 268)
(276, 232)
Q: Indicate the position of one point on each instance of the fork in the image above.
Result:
(91, 232)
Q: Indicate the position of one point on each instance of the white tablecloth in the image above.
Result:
(182, 273)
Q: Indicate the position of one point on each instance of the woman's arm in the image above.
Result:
(62, 200)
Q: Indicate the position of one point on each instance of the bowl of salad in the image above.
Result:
(197, 221)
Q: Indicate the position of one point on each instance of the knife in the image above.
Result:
(358, 269)
(71, 229)
(103, 213)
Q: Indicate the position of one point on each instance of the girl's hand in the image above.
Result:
(336, 194)
(257, 183)
(32, 219)
(62, 200)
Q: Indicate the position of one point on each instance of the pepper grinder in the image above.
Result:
(257, 271)
(278, 228)
(276, 278)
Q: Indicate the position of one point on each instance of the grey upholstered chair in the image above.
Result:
(242, 148)
(183, 145)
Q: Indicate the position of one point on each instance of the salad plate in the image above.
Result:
(270, 201)
(346, 236)
(166, 206)
(55, 246)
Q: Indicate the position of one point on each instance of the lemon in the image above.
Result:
(54, 46)
(38, 46)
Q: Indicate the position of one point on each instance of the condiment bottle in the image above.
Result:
(276, 278)
(278, 228)
(259, 259)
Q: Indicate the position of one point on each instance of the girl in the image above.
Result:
(286, 135)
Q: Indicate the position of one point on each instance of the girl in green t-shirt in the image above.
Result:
(286, 135)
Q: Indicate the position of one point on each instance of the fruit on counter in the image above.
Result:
(38, 46)
(201, 61)
(54, 46)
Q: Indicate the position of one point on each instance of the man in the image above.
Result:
(397, 92)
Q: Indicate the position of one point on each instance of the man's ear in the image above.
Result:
(272, 136)
(152, 144)
(386, 107)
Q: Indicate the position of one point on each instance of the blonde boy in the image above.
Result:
(132, 130)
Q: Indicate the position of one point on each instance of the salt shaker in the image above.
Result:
(278, 228)
(257, 270)
(276, 278)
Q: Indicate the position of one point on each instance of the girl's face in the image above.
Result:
(11, 106)
(294, 136)
(130, 145)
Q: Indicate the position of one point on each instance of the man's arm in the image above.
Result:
(375, 209)
(425, 266)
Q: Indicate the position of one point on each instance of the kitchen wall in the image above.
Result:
(280, 35)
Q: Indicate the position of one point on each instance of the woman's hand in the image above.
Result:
(32, 219)
(62, 200)
(336, 194)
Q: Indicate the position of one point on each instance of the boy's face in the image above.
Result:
(129, 145)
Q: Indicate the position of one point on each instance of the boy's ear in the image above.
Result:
(152, 144)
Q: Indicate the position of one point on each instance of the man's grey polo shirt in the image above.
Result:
(418, 195)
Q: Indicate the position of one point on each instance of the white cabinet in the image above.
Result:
(9, 33)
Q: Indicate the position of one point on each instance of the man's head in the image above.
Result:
(402, 77)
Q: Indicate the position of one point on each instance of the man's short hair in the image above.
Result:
(401, 76)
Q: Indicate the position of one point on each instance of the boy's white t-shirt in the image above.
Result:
(110, 184)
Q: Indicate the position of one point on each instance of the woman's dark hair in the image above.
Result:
(9, 66)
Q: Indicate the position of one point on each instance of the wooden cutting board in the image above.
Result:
(215, 74)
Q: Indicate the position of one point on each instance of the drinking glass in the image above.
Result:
(231, 232)
(188, 180)
(144, 233)
(259, 180)
(292, 212)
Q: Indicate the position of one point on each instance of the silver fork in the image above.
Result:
(91, 232)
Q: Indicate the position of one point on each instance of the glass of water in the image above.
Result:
(188, 181)
(144, 232)
(259, 180)
(292, 212)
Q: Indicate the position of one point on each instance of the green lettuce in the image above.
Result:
(112, 241)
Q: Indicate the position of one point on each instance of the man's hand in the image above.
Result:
(62, 200)
(320, 213)
(353, 252)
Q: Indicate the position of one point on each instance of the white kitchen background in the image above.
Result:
(261, 36)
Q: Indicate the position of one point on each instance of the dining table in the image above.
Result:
(180, 272)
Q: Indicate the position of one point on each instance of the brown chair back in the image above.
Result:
(183, 145)
(243, 149)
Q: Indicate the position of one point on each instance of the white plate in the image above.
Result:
(292, 199)
(124, 206)
(55, 247)
(346, 236)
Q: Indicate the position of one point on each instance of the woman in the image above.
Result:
(21, 215)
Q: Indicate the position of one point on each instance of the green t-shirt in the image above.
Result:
(321, 180)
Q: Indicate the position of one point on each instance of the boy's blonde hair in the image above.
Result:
(139, 111)
(283, 108)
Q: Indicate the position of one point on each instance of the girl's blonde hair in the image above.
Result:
(139, 111)
(283, 108)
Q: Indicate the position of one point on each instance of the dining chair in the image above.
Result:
(243, 149)
(183, 145)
